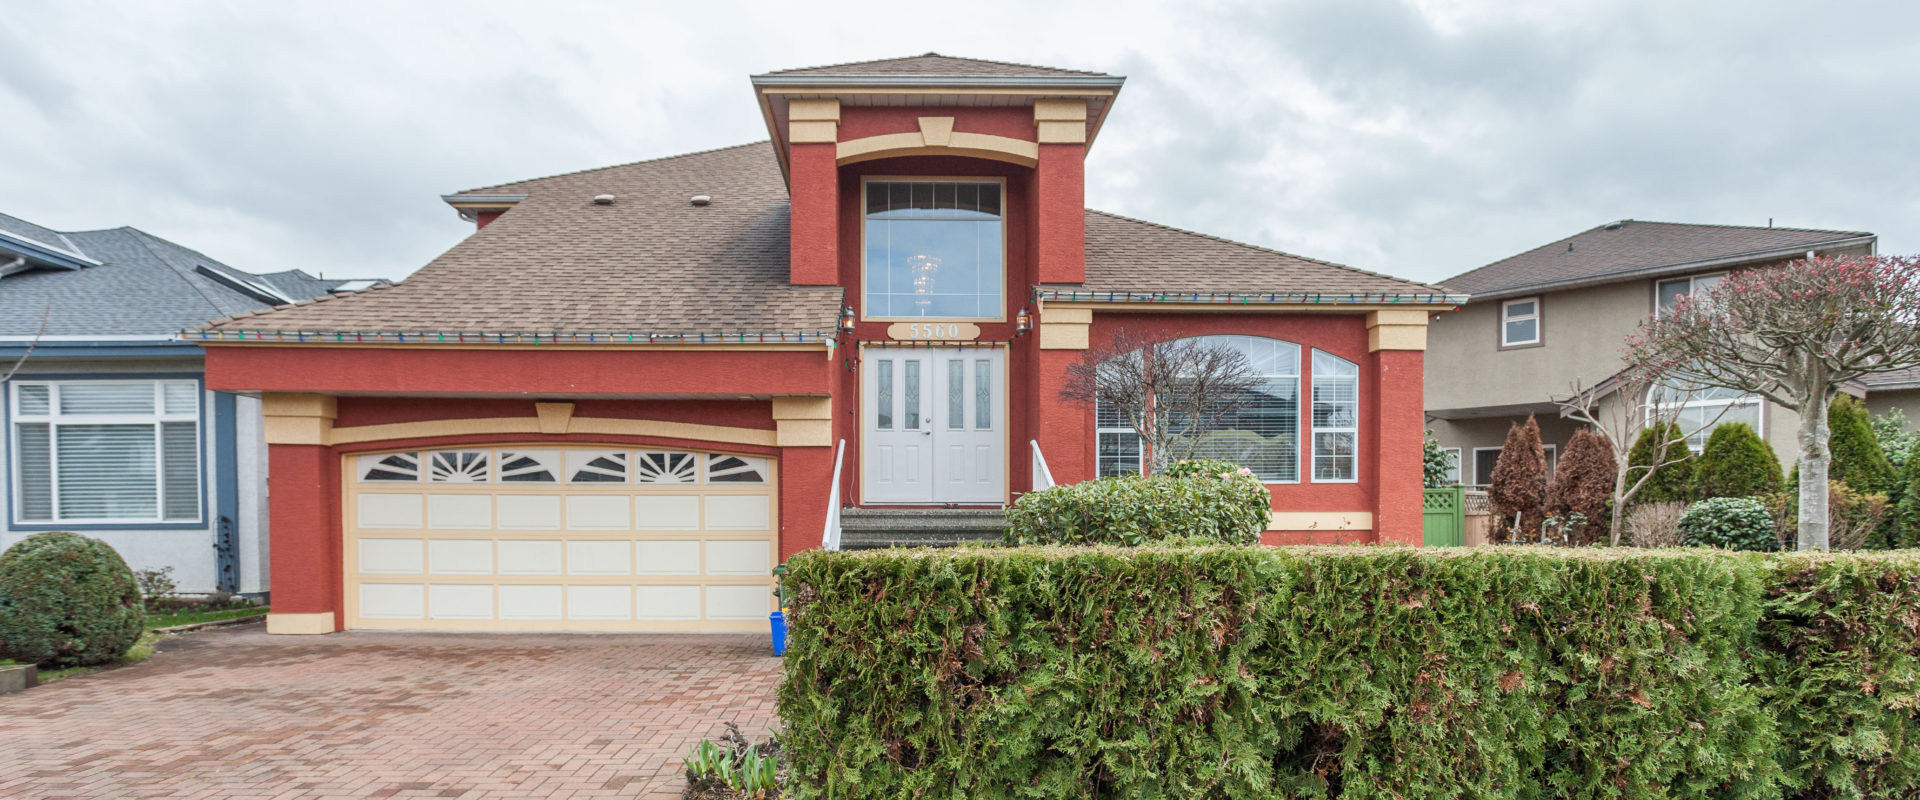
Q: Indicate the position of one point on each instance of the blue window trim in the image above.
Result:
(106, 348)
(6, 458)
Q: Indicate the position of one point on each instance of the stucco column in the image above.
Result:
(1060, 190)
(304, 484)
(1397, 339)
(814, 187)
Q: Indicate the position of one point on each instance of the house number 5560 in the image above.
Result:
(941, 331)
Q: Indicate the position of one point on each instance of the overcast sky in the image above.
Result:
(1420, 138)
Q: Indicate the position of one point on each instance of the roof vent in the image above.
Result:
(702, 200)
(1614, 226)
(603, 199)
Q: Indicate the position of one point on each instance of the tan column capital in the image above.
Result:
(803, 421)
(1396, 329)
(1065, 328)
(813, 120)
(1060, 121)
(297, 418)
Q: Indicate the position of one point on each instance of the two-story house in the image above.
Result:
(635, 389)
(1542, 320)
(109, 426)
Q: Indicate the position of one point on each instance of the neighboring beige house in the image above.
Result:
(1560, 313)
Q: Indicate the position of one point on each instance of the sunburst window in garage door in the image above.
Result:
(559, 538)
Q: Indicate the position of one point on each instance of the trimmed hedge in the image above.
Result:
(67, 600)
(1351, 673)
(1733, 523)
(1214, 501)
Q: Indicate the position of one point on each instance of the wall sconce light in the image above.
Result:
(846, 320)
(1022, 323)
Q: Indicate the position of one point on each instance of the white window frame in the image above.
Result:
(1139, 451)
(1539, 321)
(53, 419)
(1760, 414)
(1314, 429)
(1458, 465)
(1691, 281)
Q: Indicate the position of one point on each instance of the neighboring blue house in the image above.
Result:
(109, 429)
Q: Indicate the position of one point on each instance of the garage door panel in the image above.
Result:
(592, 538)
(667, 558)
(666, 512)
(520, 557)
(460, 556)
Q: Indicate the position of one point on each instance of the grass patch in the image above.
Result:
(191, 617)
(140, 651)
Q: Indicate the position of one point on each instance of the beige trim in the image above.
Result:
(543, 346)
(1060, 121)
(1065, 328)
(300, 624)
(933, 331)
(576, 425)
(817, 109)
(972, 145)
(1248, 308)
(813, 132)
(814, 120)
(771, 91)
(482, 206)
(1320, 521)
(936, 131)
(297, 418)
(1396, 329)
(803, 421)
(554, 417)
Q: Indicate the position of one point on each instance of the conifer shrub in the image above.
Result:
(1351, 673)
(1517, 497)
(1208, 500)
(1671, 482)
(1582, 488)
(67, 600)
(1736, 462)
(1857, 459)
(1729, 523)
(1907, 502)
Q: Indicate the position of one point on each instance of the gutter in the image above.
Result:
(237, 336)
(1252, 298)
(1674, 268)
(1068, 82)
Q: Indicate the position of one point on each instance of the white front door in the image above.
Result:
(935, 425)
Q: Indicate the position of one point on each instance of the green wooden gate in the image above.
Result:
(1444, 522)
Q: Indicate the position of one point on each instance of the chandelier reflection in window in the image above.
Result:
(924, 268)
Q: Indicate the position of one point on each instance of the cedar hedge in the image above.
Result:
(67, 600)
(1351, 673)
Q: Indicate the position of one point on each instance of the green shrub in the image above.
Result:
(1907, 503)
(1858, 460)
(1368, 673)
(1209, 500)
(1729, 523)
(1736, 463)
(1671, 482)
(1436, 462)
(67, 601)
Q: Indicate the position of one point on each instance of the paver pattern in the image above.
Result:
(238, 713)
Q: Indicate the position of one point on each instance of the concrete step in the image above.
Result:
(871, 528)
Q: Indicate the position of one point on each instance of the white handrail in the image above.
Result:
(1042, 477)
(830, 537)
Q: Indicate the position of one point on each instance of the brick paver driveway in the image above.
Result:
(238, 713)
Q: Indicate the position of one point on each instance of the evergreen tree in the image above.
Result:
(1906, 512)
(1736, 463)
(1583, 485)
(1858, 460)
(1672, 482)
(1519, 485)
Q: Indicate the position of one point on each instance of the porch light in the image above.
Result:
(1022, 323)
(846, 320)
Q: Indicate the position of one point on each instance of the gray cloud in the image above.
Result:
(1421, 138)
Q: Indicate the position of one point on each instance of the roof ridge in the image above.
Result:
(330, 295)
(142, 237)
(707, 151)
(1263, 249)
(1726, 225)
(932, 54)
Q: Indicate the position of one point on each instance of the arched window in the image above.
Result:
(1336, 419)
(1261, 433)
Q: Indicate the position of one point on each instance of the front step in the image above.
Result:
(873, 528)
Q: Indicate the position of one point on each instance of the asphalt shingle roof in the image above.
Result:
(1632, 248)
(934, 64)
(144, 286)
(653, 263)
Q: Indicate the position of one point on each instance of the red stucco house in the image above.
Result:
(619, 402)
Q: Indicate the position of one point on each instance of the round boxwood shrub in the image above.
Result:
(1194, 501)
(67, 601)
(1731, 523)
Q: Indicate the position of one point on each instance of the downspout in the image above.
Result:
(17, 265)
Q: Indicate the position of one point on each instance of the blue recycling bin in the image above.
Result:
(778, 621)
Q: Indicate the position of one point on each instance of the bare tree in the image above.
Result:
(1168, 389)
(1642, 404)
(1793, 334)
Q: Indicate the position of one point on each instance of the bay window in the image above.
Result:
(106, 451)
(933, 250)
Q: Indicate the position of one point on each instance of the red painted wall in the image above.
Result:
(305, 530)
(536, 371)
(813, 186)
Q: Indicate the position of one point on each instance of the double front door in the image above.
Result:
(934, 422)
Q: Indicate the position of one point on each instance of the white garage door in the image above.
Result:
(543, 538)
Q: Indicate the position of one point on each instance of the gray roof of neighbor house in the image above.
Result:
(934, 64)
(124, 282)
(1634, 248)
(653, 263)
(1896, 380)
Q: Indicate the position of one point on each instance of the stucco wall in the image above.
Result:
(1906, 400)
(1582, 333)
